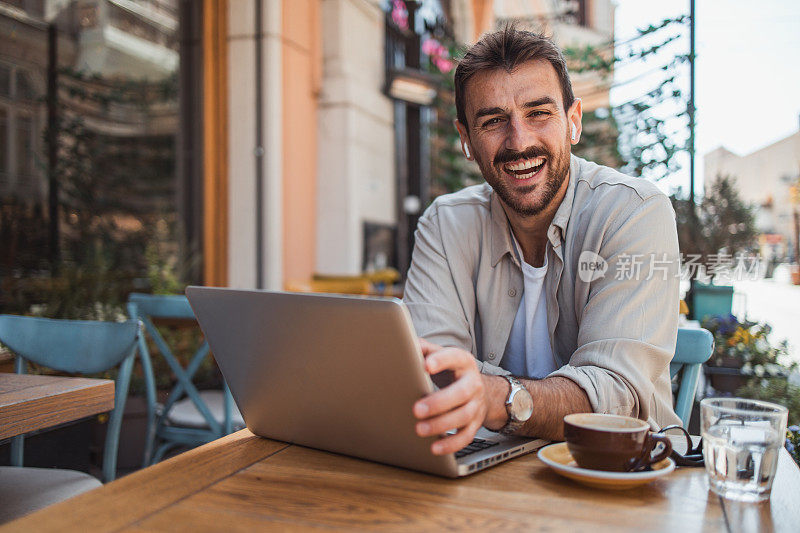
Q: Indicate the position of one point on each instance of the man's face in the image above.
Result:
(519, 133)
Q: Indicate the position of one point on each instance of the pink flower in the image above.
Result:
(444, 65)
(400, 14)
(430, 47)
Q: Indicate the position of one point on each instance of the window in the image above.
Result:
(25, 90)
(25, 148)
(19, 133)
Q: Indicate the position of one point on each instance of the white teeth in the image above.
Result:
(526, 164)
(524, 176)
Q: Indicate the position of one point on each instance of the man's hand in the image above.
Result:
(460, 406)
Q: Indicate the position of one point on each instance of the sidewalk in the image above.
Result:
(776, 303)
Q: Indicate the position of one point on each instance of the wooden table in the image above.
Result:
(30, 402)
(245, 483)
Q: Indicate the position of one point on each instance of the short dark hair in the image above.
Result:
(507, 49)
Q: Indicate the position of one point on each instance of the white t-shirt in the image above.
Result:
(528, 352)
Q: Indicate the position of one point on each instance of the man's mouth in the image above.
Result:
(523, 169)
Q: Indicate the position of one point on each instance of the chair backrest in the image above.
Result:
(76, 346)
(161, 305)
(693, 348)
(147, 307)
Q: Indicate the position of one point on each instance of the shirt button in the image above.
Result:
(492, 355)
(512, 292)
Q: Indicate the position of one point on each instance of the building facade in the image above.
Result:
(764, 179)
(288, 156)
(330, 173)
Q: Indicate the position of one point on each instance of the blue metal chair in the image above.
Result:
(694, 347)
(74, 346)
(189, 417)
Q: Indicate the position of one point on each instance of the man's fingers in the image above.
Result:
(455, 419)
(460, 392)
(454, 359)
(453, 443)
(428, 347)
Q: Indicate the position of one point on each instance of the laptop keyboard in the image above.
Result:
(476, 446)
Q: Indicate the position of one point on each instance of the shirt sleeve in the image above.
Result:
(430, 292)
(628, 325)
(440, 312)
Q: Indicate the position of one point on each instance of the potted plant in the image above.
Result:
(783, 391)
(743, 352)
(793, 442)
(713, 234)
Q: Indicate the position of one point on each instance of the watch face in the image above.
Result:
(522, 406)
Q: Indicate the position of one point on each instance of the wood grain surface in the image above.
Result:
(245, 483)
(32, 402)
(134, 497)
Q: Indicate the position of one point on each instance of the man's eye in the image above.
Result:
(492, 121)
(539, 113)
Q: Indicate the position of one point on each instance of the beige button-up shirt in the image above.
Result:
(612, 331)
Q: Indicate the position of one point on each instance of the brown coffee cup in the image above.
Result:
(611, 442)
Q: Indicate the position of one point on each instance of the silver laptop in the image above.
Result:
(337, 373)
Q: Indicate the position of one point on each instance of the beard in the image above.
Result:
(533, 199)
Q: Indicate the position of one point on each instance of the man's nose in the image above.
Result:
(520, 135)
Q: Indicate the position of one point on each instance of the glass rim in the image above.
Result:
(771, 409)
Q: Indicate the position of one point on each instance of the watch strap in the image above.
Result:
(512, 425)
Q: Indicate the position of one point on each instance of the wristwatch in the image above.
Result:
(519, 406)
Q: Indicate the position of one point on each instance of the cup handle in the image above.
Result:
(647, 458)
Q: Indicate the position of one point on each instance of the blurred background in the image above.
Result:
(293, 144)
(148, 144)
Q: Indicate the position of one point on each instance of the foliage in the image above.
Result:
(747, 343)
(118, 229)
(722, 222)
(599, 139)
(793, 442)
(646, 145)
(450, 171)
(782, 392)
(24, 239)
(632, 136)
(778, 390)
(770, 374)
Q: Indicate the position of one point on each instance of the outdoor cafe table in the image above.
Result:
(245, 483)
(31, 402)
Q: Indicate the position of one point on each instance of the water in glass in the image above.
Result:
(742, 439)
(741, 459)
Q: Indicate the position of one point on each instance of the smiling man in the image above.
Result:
(553, 287)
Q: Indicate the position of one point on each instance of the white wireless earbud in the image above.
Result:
(574, 131)
(466, 151)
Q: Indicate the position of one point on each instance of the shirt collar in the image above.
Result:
(501, 230)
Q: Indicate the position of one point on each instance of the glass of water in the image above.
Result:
(741, 442)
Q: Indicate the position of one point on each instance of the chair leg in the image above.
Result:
(163, 449)
(150, 394)
(17, 449)
(115, 420)
(228, 406)
(18, 442)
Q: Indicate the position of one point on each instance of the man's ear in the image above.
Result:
(574, 117)
(462, 133)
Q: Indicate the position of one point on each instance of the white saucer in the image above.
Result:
(557, 457)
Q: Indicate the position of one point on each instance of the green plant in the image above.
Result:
(777, 390)
(747, 344)
(450, 171)
(782, 392)
(641, 136)
(722, 222)
(793, 442)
